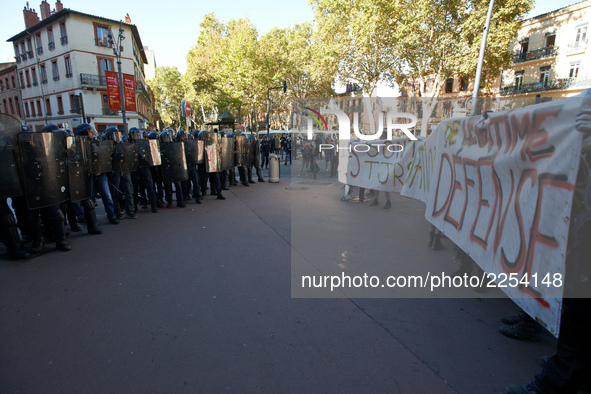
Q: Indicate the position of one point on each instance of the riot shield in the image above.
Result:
(174, 162)
(241, 150)
(228, 148)
(200, 152)
(10, 184)
(101, 157)
(192, 151)
(213, 160)
(44, 170)
(78, 168)
(149, 153)
(125, 158)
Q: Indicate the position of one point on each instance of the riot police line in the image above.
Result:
(56, 174)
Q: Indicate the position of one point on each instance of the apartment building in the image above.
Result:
(10, 92)
(551, 59)
(61, 62)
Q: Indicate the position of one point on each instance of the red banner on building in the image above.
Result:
(129, 92)
(113, 90)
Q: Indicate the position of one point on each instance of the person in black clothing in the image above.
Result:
(265, 149)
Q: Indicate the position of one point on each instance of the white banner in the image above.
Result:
(501, 189)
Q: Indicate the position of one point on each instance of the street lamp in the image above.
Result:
(284, 87)
(117, 49)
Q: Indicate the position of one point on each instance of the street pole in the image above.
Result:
(481, 58)
(117, 49)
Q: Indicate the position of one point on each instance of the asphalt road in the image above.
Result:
(200, 300)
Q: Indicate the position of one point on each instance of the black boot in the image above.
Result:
(13, 239)
(59, 232)
(91, 222)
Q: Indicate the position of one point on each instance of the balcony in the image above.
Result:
(534, 55)
(64, 40)
(107, 111)
(51, 45)
(39, 50)
(555, 84)
(24, 56)
(93, 81)
(30, 54)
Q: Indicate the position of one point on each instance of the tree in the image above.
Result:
(168, 93)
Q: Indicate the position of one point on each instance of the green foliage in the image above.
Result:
(168, 93)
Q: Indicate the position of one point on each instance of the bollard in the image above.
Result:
(273, 168)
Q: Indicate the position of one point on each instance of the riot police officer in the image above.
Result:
(120, 184)
(156, 172)
(214, 177)
(256, 152)
(166, 137)
(191, 155)
(100, 182)
(143, 175)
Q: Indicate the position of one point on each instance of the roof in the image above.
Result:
(556, 10)
(57, 15)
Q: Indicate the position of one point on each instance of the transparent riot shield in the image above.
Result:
(78, 168)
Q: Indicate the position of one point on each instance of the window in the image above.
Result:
(5, 106)
(581, 37)
(47, 106)
(17, 56)
(22, 80)
(463, 85)
(11, 105)
(68, 63)
(574, 70)
(18, 107)
(550, 39)
(27, 113)
(60, 106)
(104, 65)
(55, 70)
(63, 34)
(6, 83)
(39, 44)
(449, 85)
(23, 51)
(72, 104)
(39, 112)
(29, 48)
(544, 75)
(43, 74)
(13, 81)
(519, 79)
(34, 75)
(101, 33)
(524, 46)
(50, 41)
(33, 109)
(28, 78)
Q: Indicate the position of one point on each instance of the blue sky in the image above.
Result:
(171, 30)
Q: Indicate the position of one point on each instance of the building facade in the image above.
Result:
(10, 91)
(551, 59)
(61, 62)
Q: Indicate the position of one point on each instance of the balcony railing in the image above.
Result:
(92, 80)
(537, 54)
(39, 50)
(30, 54)
(107, 111)
(555, 84)
(64, 40)
(51, 45)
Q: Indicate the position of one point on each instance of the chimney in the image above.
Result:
(127, 19)
(45, 9)
(58, 6)
(31, 17)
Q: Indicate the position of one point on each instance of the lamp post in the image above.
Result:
(284, 87)
(117, 49)
(481, 58)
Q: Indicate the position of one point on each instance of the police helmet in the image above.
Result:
(112, 133)
(231, 135)
(27, 129)
(202, 135)
(152, 135)
(165, 136)
(181, 136)
(135, 134)
(49, 128)
(190, 136)
(84, 129)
